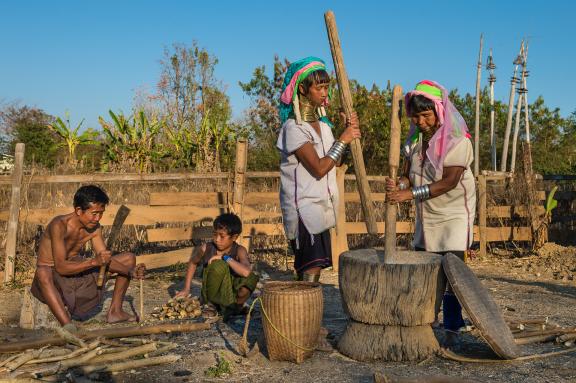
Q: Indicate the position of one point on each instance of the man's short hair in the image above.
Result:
(229, 222)
(89, 194)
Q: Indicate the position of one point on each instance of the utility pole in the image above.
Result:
(521, 99)
(477, 119)
(518, 61)
(490, 66)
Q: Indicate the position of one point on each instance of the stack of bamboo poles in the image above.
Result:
(85, 353)
(100, 355)
(541, 330)
(527, 332)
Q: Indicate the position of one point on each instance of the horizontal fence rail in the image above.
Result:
(188, 208)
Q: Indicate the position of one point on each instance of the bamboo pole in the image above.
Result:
(482, 214)
(141, 319)
(491, 80)
(132, 364)
(346, 100)
(513, 81)
(115, 332)
(12, 232)
(240, 186)
(338, 234)
(240, 176)
(393, 164)
(477, 113)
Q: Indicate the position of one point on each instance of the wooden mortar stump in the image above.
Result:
(405, 291)
(391, 304)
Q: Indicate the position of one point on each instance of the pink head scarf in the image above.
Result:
(452, 127)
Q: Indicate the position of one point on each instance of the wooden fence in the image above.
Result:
(189, 207)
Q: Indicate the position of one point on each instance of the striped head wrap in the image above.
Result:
(295, 74)
(452, 127)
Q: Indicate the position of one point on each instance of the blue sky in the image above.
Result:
(91, 56)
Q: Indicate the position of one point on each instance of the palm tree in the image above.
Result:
(71, 136)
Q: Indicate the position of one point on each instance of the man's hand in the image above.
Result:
(103, 257)
(184, 293)
(139, 271)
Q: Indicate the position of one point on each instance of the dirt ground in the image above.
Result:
(525, 287)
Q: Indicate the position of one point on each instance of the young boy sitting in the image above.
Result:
(227, 277)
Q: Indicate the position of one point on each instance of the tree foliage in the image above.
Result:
(553, 138)
(194, 108)
(30, 126)
(131, 142)
(71, 137)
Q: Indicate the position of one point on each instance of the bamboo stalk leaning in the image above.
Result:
(346, 100)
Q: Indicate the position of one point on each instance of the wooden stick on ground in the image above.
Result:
(73, 354)
(132, 364)
(80, 360)
(116, 332)
(459, 358)
(346, 100)
(69, 337)
(165, 348)
(23, 358)
(35, 371)
(141, 299)
(116, 356)
(553, 331)
(381, 378)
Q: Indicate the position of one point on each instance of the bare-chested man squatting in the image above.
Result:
(65, 278)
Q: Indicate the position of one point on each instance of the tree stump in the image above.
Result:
(391, 304)
(35, 314)
(367, 342)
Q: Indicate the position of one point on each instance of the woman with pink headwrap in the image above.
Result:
(437, 175)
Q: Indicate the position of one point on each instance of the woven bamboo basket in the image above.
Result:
(292, 319)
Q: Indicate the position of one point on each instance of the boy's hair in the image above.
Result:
(318, 77)
(89, 194)
(420, 103)
(229, 222)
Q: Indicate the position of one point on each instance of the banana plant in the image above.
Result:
(183, 143)
(71, 137)
(131, 141)
(551, 203)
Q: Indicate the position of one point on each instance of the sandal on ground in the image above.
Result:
(209, 311)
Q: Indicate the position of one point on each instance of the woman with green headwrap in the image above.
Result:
(309, 153)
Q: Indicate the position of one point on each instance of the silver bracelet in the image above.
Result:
(421, 192)
(336, 151)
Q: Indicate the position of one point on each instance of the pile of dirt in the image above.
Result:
(551, 261)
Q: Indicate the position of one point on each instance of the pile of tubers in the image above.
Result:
(179, 308)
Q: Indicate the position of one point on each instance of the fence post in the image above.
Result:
(482, 214)
(240, 183)
(11, 237)
(338, 235)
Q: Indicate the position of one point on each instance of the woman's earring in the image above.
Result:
(296, 104)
